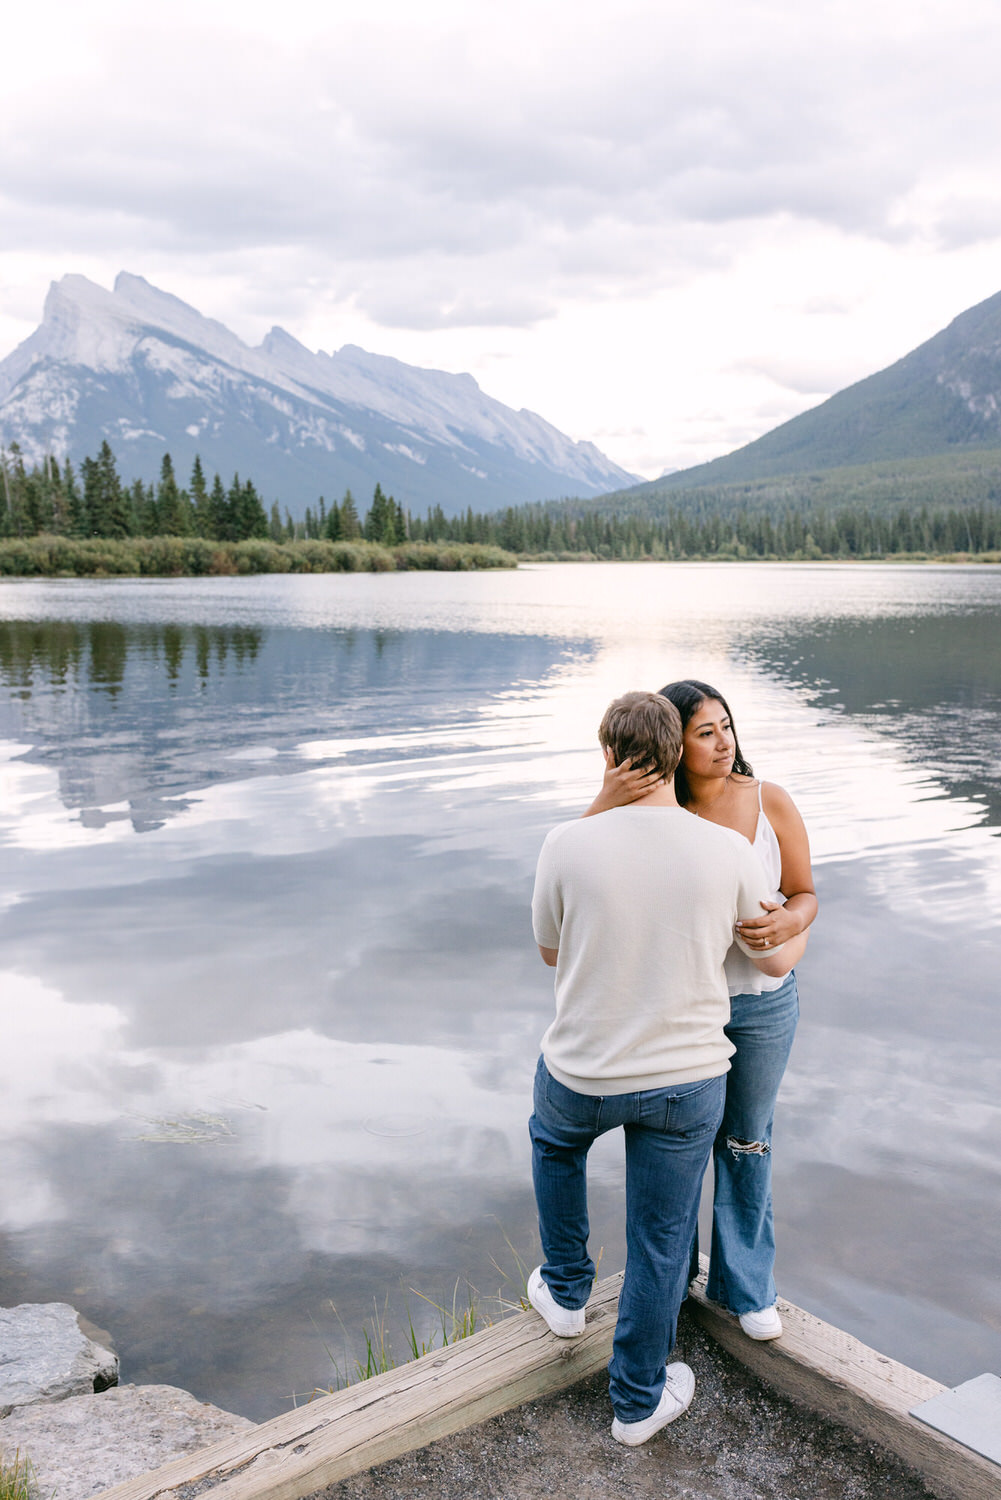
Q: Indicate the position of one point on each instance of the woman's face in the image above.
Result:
(707, 743)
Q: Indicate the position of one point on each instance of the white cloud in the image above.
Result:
(460, 184)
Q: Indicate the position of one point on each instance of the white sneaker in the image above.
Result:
(765, 1324)
(675, 1398)
(565, 1322)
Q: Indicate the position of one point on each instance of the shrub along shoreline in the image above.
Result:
(46, 556)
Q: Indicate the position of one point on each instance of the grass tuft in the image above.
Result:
(459, 1318)
(16, 1477)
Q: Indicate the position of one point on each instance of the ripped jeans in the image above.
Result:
(742, 1257)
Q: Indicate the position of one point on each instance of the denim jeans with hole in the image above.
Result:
(669, 1134)
(742, 1258)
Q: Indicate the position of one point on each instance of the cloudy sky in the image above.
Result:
(665, 227)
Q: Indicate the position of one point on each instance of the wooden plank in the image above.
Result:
(519, 1360)
(336, 1436)
(851, 1384)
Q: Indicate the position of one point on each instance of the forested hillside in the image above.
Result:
(935, 508)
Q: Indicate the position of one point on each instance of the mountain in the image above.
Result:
(146, 371)
(944, 398)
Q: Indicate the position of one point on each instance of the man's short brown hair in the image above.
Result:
(646, 729)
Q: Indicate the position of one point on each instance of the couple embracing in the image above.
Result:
(673, 938)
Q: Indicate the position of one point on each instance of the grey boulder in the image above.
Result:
(46, 1356)
(90, 1443)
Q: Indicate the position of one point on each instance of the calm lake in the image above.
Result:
(270, 1002)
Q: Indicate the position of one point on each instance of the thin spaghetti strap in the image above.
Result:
(760, 808)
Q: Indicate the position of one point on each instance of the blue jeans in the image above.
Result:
(742, 1258)
(669, 1134)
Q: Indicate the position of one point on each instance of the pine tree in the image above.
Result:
(229, 526)
(378, 518)
(13, 483)
(397, 524)
(251, 518)
(219, 511)
(201, 504)
(350, 524)
(171, 509)
(106, 510)
(142, 509)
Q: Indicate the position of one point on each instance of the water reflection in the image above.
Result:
(271, 1004)
(64, 653)
(138, 717)
(931, 683)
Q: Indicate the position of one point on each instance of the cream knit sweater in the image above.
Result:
(641, 903)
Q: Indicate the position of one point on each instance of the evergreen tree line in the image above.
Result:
(56, 500)
(53, 499)
(565, 529)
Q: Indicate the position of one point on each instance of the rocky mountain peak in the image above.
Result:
(143, 369)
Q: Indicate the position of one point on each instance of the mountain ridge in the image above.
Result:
(944, 396)
(141, 368)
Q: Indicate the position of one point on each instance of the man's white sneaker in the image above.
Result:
(765, 1324)
(565, 1322)
(675, 1398)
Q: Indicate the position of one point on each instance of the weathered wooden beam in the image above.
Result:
(851, 1384)
(519, 1360)
(336, 1436)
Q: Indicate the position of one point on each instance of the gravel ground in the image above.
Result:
(738, 1441)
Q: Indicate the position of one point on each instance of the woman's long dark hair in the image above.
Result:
(686, 696)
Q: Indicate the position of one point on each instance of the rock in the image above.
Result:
(89, 1443)
(45, 1356)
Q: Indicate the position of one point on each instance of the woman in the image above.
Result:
(715, 782)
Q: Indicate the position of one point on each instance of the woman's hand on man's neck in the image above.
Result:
(661, 796)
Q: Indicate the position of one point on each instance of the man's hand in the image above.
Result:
(549, 956)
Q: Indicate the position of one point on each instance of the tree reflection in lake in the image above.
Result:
(930, 682)
(137, 716)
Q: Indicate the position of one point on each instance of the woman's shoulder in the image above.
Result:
(778, 806)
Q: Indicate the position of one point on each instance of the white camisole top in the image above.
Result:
(742, 977)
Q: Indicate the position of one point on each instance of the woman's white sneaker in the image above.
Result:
(565, 1322)
(765, 1324)
(675, 1398)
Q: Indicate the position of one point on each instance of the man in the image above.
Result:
(635, 910)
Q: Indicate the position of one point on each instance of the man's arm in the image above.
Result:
(751, 898)
(547, 907)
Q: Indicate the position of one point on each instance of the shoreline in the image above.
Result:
(60, 558)
(512, 1400)
(768, 1419)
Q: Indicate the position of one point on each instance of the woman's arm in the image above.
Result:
(621, 785)
(777, 966)
(781, 924)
